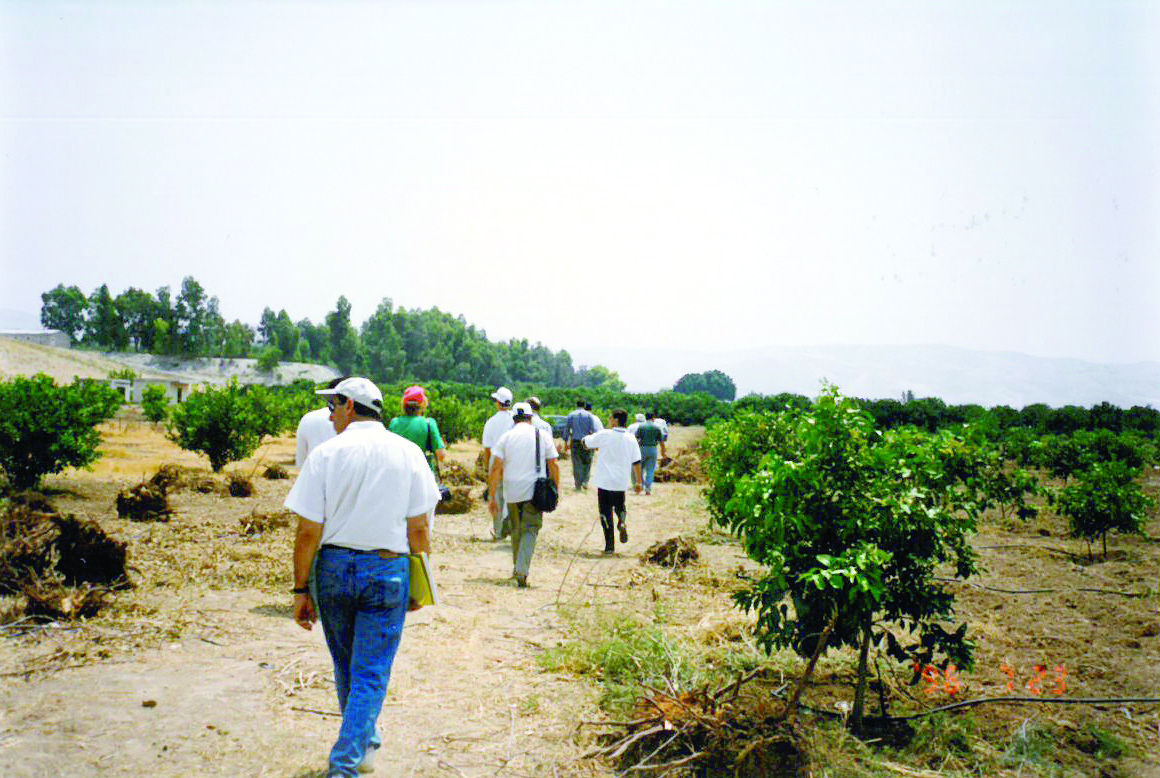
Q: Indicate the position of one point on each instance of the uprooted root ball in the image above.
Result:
(171, 477)
(674, 552)
(64, 567)
(240, 486)
(275, 473)
(683, 467)
(454, 474)
(459, 502)
(707, 734)
(257, 523)
(143, 502)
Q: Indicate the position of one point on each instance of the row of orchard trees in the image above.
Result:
(853, 520)
(392, 344)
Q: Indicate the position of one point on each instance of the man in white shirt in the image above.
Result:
(617, 466)
(664, 425)
(314, 428)
(362, 499)
(514, 464)
(537, 421)
(499, 423)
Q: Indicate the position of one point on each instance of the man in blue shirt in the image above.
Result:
(577, 425)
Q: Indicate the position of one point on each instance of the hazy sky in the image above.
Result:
(706, 175)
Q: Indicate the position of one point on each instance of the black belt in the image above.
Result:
(382, 552)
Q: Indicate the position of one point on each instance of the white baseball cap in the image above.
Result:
(362, 390)
(521, 411)
(640, 417)
(503, 395)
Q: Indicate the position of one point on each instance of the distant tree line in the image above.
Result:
(711, 382)
(932, 414)
(393, 344)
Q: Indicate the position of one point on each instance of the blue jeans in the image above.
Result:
(648, 465)
(362, 601)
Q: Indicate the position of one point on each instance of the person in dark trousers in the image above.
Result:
(577, 425)
(619, 459)
(515, 465)
(649, 436)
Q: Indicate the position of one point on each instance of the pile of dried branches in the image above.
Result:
(171, 477)
(459, 502)
(684, 467)
(143, 502)
(257, 523)
(452, 473)
(479, 472)
(706, 733)
(63, 567)
(674, 552)
(239, 486)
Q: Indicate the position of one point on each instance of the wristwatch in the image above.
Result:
(300, 590)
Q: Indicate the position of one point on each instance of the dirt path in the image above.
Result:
(243, 691)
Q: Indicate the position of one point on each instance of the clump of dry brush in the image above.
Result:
(707, 733)
(55, 566)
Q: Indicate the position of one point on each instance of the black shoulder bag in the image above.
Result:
(544, 493)
(444, 492)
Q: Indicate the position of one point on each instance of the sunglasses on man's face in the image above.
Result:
(335, 402)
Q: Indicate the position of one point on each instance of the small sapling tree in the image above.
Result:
(1062, 455)
(1105, 498)
(221, 423)
(268, 359)
(45, 428)
(154, 403)
(1006, 485)
(850, 525)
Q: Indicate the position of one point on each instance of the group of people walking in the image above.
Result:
(366, 501)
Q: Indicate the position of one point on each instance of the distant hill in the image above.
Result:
(26, 359)
(955, 375)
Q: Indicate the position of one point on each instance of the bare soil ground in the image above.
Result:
(199, 670)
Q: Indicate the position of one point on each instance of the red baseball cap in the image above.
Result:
(414, 395)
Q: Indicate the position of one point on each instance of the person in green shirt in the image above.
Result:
(419, 429)
(649, 436)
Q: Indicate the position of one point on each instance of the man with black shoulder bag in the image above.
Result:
(523, 461)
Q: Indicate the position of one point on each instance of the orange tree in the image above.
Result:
(1104, 498)
(45, 428)
(226, 424)
(850, 525)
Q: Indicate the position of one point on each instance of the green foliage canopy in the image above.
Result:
(850, 526)
(711, 382)
(1104, 498)
(45, 428)
(225, 424)
(154, 402)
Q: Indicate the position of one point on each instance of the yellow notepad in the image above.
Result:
(423, 589)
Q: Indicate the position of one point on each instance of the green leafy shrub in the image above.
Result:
(1106, 498)
(224, 424)
(45, 428)
(155, 402)
(851, 526)
(269, 358)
